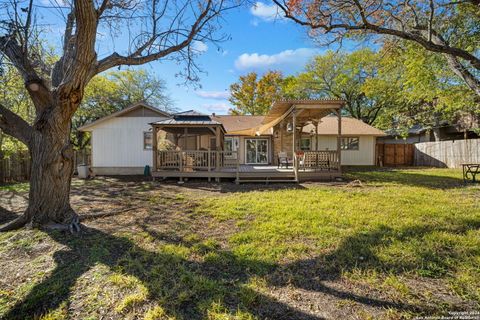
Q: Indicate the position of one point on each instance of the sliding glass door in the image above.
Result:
(256, 151)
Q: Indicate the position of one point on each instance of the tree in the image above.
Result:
(139, 85)
(115, 91)
(451, 28)
(12, 92)
(159, 30)
(343, 76)
(255, 96)
(420, 88)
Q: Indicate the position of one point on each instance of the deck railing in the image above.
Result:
(317, 160)
(193, 160)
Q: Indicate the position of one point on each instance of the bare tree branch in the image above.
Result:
(389, 18)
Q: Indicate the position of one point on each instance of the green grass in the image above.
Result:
(416, 223)
(15, 187)
(402, 236)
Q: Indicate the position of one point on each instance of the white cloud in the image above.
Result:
(218, 95)
(199, 47)
(284, 60)
(220, 107)
(266, 12)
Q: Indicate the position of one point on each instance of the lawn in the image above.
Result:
(388, 244)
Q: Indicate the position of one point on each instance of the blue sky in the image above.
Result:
(260, 40)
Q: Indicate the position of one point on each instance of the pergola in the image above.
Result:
(183, 124)
(300, 113)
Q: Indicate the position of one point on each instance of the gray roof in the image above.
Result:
(190, 117)
(190, 113)
(173, 122)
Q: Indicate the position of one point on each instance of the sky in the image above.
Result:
(259, 40)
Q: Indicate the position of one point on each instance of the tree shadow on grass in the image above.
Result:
(6, 215)
(182, 286)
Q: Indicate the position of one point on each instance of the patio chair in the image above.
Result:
(283, 160)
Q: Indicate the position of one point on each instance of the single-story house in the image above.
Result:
(297, 140)
(419, 133)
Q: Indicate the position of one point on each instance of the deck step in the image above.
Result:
(267, 180)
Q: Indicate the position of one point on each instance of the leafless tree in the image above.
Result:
(448, 27)
(156, 30)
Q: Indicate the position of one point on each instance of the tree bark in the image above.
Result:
(51, 173)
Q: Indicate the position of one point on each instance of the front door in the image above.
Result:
(256, 151)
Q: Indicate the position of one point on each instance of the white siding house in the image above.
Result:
(363, 156)
(120, 142)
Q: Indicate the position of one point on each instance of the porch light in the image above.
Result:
(289, 127)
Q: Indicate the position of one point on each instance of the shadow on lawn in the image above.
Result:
(409, 178)
(183, 285)
(6, 215)
(231, 187)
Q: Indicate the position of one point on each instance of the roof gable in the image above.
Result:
(140, 109)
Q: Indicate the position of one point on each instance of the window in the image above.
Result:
(147, 140)
(351, 143)
(305, 144)
(231, 145)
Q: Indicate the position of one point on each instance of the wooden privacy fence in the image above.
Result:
(389, 154)
(16, 167)
(451, 154)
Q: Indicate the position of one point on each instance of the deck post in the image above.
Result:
(180, 161)
(339, 140)
(185, 134)
(218, 146)
(294, 131)
(154, 149)
(209, 163)
(237, 180)
(294, 146)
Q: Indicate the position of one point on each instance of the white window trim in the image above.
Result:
(235, 145)
(352, 137)
(268, 150)
(310, 144)
(143, 136)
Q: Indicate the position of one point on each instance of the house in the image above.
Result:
(121, 142)
(418, 133)
(296, 140)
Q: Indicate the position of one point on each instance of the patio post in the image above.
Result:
(339, 140)
(218, 146)
(185, 134)
(294, 125)
(154, 148)
(209, 162)
(294, 147)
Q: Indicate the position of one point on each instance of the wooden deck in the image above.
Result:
(311, 165)
(252, 173)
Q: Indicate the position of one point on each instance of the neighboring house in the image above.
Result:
(190, 144)
(419, 133)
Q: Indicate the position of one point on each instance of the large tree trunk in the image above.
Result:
(51, 174)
